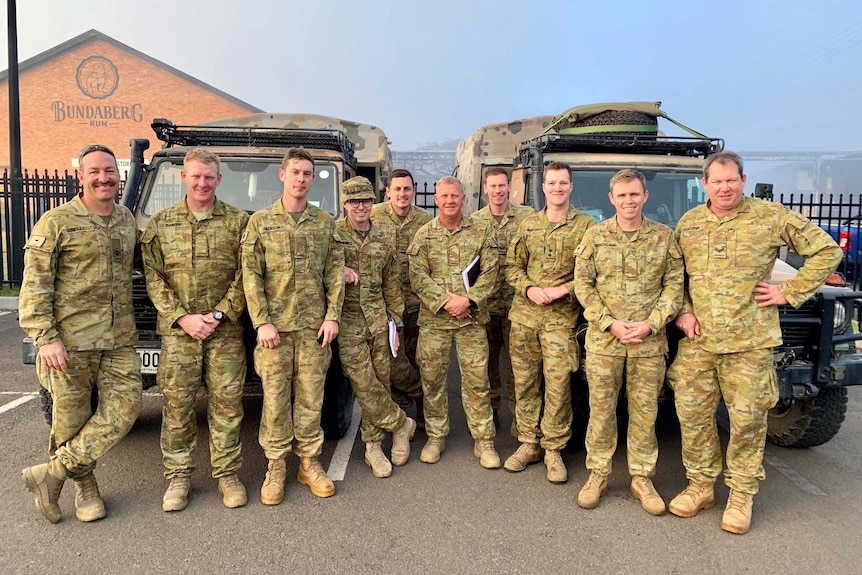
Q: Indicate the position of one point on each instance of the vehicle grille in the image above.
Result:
(800, 327)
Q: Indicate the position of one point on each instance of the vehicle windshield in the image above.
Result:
(671, 194)
(246, 184)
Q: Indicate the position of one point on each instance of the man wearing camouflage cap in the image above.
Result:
(194, 279)
(730, 320)
(400, 219)
(293, 275)
(372, 295)
(76, 304)
(629, 278)
(453, 314)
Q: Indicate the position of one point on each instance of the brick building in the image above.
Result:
(94, 89)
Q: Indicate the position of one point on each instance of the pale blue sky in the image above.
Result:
(764, 75)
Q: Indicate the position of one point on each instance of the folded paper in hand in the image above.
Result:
(393, 335)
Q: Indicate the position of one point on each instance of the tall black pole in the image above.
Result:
(16, 259)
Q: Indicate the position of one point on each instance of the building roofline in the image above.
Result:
(96, 35)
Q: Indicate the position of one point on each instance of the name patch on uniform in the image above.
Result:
(78, 229)
(174, 225)
(271, 228)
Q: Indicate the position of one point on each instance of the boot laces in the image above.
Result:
(276, 473)
(738, 501)
(693, 491)
(230, 481)
(486, 444)
(376, 456)
(554, 458)
(88, 488)
(594, 481)
(647, 486)
(178, 484)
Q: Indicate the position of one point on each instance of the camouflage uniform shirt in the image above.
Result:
(725, 257)
(379, 289)
(193, 266)
(542, 254)
(437, 258)
(401, 232)
(77, 284)
(637, 278)
(503, 231)
(293, 272)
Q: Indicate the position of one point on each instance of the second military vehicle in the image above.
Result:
(817, 359)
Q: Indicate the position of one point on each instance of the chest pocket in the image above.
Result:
(311, 247)
(561, 250)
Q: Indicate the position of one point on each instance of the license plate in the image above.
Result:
(149, 360)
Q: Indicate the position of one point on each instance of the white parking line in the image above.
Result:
(2, 313)
(341, 457)
(16, 402)
(792, 475)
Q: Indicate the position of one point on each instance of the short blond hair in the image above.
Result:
(627, 175)
(203, 156)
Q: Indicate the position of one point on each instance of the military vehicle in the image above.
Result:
(251, 149)
(817, 359)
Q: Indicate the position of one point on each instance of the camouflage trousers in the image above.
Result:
(80, 437)
(644, 378)
(293, 376)
(219, 363)
(366, 362)
(747, 383)
(404, 376)
(433, 353)
(497, 330)
(543, 418)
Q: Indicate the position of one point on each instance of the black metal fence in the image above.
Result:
(841, 216)
(41, 192)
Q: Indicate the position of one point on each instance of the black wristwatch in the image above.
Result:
(218, 315)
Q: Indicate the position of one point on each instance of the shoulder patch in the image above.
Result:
(36, 241)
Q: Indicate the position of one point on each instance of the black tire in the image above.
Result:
(337, 413)
(48, 403)
(808, 422)
(614, 118)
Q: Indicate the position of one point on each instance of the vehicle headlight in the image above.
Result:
(840, 317)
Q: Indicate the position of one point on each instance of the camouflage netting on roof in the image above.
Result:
(610, 118)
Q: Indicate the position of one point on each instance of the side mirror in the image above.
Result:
(763, 191)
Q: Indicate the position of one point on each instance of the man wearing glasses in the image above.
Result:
(442, 250)
(372, 296)
(76, 304)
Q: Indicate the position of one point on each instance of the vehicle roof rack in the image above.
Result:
(311, 139)
(626, 143)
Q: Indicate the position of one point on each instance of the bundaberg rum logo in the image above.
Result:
(97, 77)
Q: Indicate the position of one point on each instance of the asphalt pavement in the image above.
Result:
(451, 517)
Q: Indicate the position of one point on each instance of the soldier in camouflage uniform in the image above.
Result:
(540, 267)
(502, 218)
(76, 304)
(399, 219)
(293, 274)
(629, 278)
(452, 314)
(372, 295)
(730, 320)
(194, 279)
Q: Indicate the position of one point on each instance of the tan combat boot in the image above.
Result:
(737, 512)
(488, 457)
(557, 472)
(593, 490)
(526, 454)
(88, 503)
(312, 475)
(272, 490)
(45, 481)
(232, 491)
(401, 442)
(434, 448)
(644, 491)
(375, 459)
(176, 496)
(693, 498)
